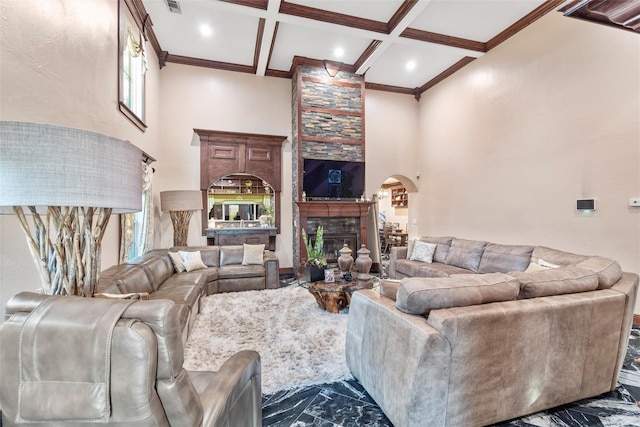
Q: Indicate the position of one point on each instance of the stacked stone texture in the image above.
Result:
(332, 108)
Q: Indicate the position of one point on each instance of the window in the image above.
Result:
(132, 66)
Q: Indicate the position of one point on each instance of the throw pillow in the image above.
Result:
(442, 247)
(176, 260)
(253, 254)
(194, 264)
(192, 260)
(541, 265)
(423, 251)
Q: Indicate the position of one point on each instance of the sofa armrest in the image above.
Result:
(271, 271)
(399, 359)
(396, 253)
(232, 395)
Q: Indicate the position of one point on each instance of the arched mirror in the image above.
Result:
(239, 201)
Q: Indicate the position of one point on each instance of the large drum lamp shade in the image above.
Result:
(77, 178)
(44, 165)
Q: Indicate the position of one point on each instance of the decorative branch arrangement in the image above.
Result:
(180, 220)
(66, 246)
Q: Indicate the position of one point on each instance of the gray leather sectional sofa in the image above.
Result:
(154, 273)
(488, 332)
(72, 361)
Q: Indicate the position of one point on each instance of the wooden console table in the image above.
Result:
(238, 236)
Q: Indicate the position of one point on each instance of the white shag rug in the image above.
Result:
(299, 343)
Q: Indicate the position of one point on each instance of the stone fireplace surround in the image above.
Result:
(327, 123)
(340, 220)
(337, 231)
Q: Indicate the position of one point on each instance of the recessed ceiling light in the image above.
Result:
(411, 65)
(338, 52)
(206, 30)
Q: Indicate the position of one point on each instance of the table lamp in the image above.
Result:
(180, 204)
(70, 182)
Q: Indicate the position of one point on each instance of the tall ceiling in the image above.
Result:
(401, 46)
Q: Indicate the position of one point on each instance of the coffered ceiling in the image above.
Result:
(402, 46)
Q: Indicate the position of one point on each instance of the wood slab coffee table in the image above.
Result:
(336, 296)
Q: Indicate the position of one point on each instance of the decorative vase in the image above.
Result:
(313, 274)
(345, 260)
(363, 263)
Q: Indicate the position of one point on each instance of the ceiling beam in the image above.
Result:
(267, 37)
(409, 16)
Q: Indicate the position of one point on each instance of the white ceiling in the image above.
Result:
(315, 28)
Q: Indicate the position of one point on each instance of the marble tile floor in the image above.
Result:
(346, 404)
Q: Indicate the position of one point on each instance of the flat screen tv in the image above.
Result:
(333, 179)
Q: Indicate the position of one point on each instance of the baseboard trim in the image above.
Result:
(287, 270)
(636, 322)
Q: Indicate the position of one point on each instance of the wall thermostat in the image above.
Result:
(586, 204)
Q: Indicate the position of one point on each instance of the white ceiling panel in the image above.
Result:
(305, 32)
(376, 10)
(232, 39)
(430, 60)
(292, 40)
(478, 20)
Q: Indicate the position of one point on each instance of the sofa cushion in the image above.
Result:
(231, 255)
(184, 294)
(423, 251)
(389, 288)
(240, 271)
(158, 269)
(442, 247)
(466, 253)
(134, 280)
(210, 255)
(504, 258)
(410, 245)
(608, 270)
(555, 281)
(437, 269)
(405, 267)
(555, 256)
(253, 254)
(420, 295)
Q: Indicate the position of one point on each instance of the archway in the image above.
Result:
(393, 202)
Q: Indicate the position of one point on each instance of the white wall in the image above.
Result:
(58, 65)
(391, 134)
(511, 141)
(202, 98)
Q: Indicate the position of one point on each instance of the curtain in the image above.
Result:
(134, 43)
(136, 230)
(144, 236)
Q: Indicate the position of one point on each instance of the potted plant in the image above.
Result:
(313, 266)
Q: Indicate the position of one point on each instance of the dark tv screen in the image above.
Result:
(333, 179)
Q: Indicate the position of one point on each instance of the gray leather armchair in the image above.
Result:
(86, 361)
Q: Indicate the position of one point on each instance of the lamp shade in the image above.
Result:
(45, 165)
(180, 200)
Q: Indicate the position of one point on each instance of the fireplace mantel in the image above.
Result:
(336, 209)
